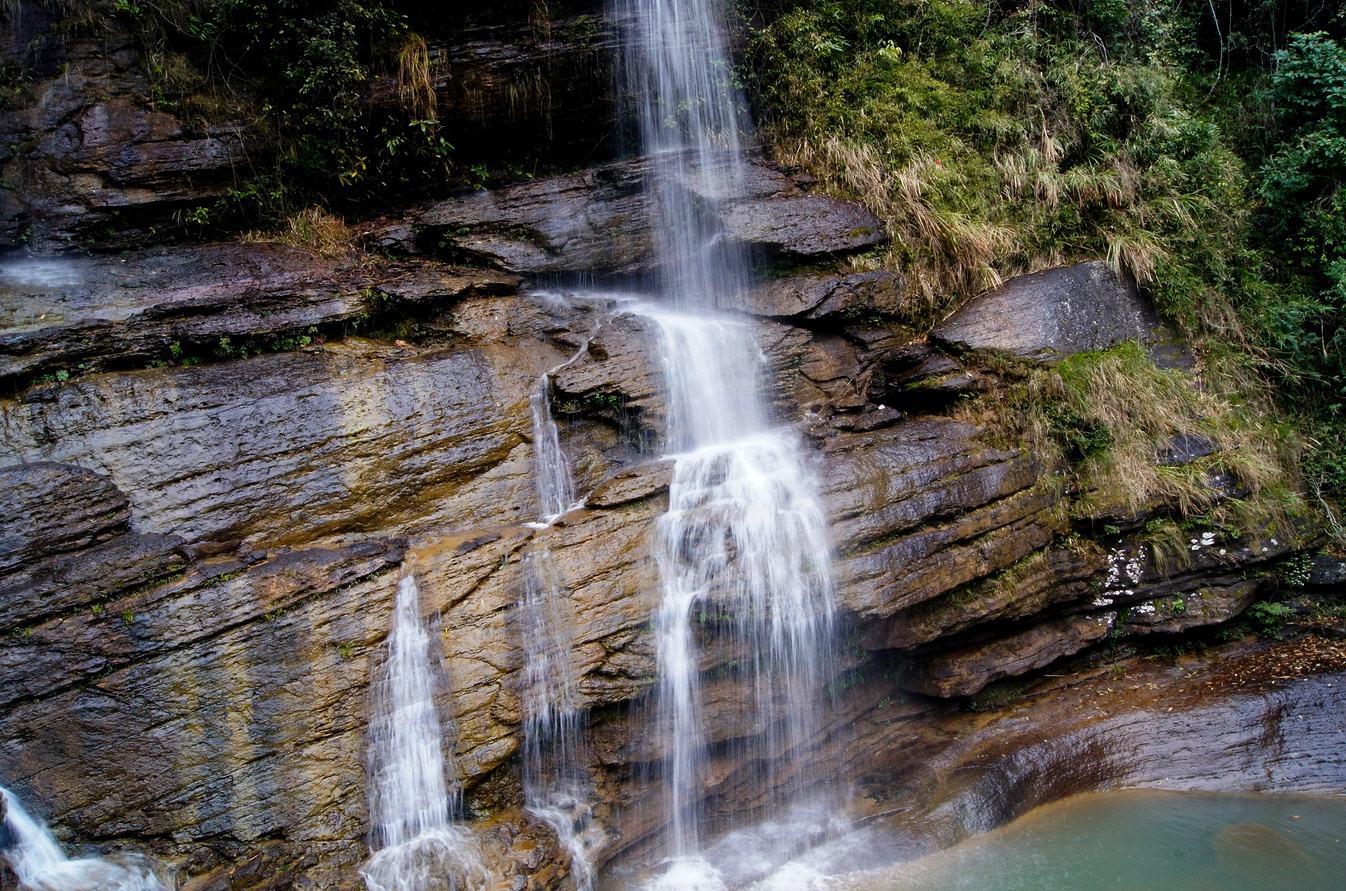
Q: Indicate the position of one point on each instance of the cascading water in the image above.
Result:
(555, 482)
(416, 844)
(744, 540)
(556, 787)
(40, 865)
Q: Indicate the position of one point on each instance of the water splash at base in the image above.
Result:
(40, 865)
(416, 845)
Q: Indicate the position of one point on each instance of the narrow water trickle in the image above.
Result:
(39, 864)
(557, 789)
(555, 482)
(416, 844)
(743, 552)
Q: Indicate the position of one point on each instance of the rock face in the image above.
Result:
(518, 80)
(225, 538)
(81, 314)
(87, 154)
(1052, 314)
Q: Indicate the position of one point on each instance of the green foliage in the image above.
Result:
(298, 72)
(1305, 212)
(1269, 617)
(1004, 140)
(1303, 216)
(997, 139)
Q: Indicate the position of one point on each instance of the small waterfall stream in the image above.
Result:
(416, 844)
(557, 789)
(40, 865)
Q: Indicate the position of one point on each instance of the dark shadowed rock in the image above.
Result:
(1184, 448)
(89, 576)
(965, 671)
(1052, 314)
(48, 508)
(1326, 571)
(63, 313)
(522, 85)
(1209, 605)
(90, 153)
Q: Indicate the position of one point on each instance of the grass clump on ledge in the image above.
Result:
(314, 230)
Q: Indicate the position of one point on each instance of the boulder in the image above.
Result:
(1050, 315)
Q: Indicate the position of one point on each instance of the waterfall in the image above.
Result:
(676, 71)
(415, 845)
(556, 788)
(743, 549)
(40, 865)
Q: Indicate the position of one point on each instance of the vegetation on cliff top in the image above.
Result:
(1205, 155)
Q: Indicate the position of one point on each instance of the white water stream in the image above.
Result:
(557, 788)
(416, 843)
(39, 864)
(743, 548)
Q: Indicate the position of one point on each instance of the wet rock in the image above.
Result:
(87, 578)
(67, 313)
(212, 713)
(291, 446)
(818, 296)
(1053, 314)
(57, 654)
(598, 222)
(924, 508)
(965, 671)
(1209, 605)
(1041, 580)
(616, 376)
(1222, 721)
(632, 484)
(48, 508)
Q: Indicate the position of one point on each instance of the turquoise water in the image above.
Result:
(1142, 841)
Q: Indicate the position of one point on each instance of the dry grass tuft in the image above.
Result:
(415, 86)
(314, 230)
(952, 254)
